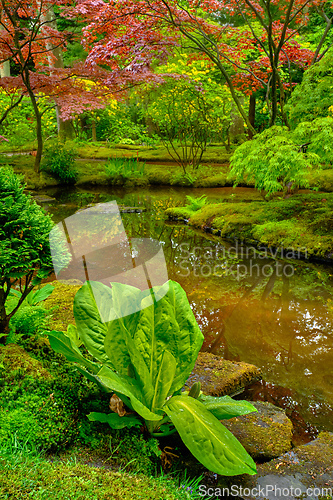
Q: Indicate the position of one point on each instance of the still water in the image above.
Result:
(260, 308)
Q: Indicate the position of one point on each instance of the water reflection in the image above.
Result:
(256, 307)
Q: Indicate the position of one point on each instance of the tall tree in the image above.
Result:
(30, 39)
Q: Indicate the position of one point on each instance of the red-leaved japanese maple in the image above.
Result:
(133, 36)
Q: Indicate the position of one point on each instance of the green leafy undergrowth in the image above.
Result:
(302, 221)
(58, 160)
(26, 474)
(195, 203)
(46, 405)
(273, 160)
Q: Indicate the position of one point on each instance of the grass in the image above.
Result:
(25, 473)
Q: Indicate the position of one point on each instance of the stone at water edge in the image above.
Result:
(220, 377)
(42, 198)
(291, 476)
(266, 434)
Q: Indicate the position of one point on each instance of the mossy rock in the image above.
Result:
(306, 467)
(61, 301)
(266, 434)
(219, 377)
(14, 357)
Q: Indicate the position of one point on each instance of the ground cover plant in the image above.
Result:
(25, 471)
(145, 358)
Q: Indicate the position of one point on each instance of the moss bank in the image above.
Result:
(301, 223)
(160, 169)
(24, 477)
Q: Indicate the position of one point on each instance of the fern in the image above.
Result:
(196, 203)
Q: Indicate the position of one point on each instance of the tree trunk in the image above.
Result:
(5, 69)
(55, 58)
(252, 113)
(4, 323)
(93, 131)
(38, 121)
(65, 127)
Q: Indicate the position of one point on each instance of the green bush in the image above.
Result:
(59, 161)
(196, 202)
(27, 321)
(25, 257)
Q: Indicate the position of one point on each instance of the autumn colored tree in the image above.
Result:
(29, 38)
(133, 36)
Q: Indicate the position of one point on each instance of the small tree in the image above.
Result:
(188, 115)
(25, 257)
(274, 161)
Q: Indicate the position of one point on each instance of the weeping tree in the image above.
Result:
(25, 257)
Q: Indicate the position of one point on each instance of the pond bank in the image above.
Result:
(158, 171)
(299, 227)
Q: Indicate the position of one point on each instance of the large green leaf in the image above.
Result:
(207, 439)
(65, 345)
(128, 387)
(164, 379)
(126, 304)
(114, 420)
(225, 407)
(105, 320)
(169, 324)
(91, 320)
(40, 295)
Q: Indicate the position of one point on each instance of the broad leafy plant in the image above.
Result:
(145, 358)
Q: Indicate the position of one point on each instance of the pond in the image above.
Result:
(257, 307)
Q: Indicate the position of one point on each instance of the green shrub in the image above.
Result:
(273, 159)
(196, 203)
(27, 321)
(59, 161)
(25, 257)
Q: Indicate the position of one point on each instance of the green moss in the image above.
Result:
(61, 301)
(323, 180)
(219, 377)
(15, 359)
(265, 434)
(304, 221)
(36, 478)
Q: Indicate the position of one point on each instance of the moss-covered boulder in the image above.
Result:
(14, 358)
(266, 434)
(219, 377)
(61, 302)
(304, 472)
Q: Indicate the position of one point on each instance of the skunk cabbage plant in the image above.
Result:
(145, 358)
